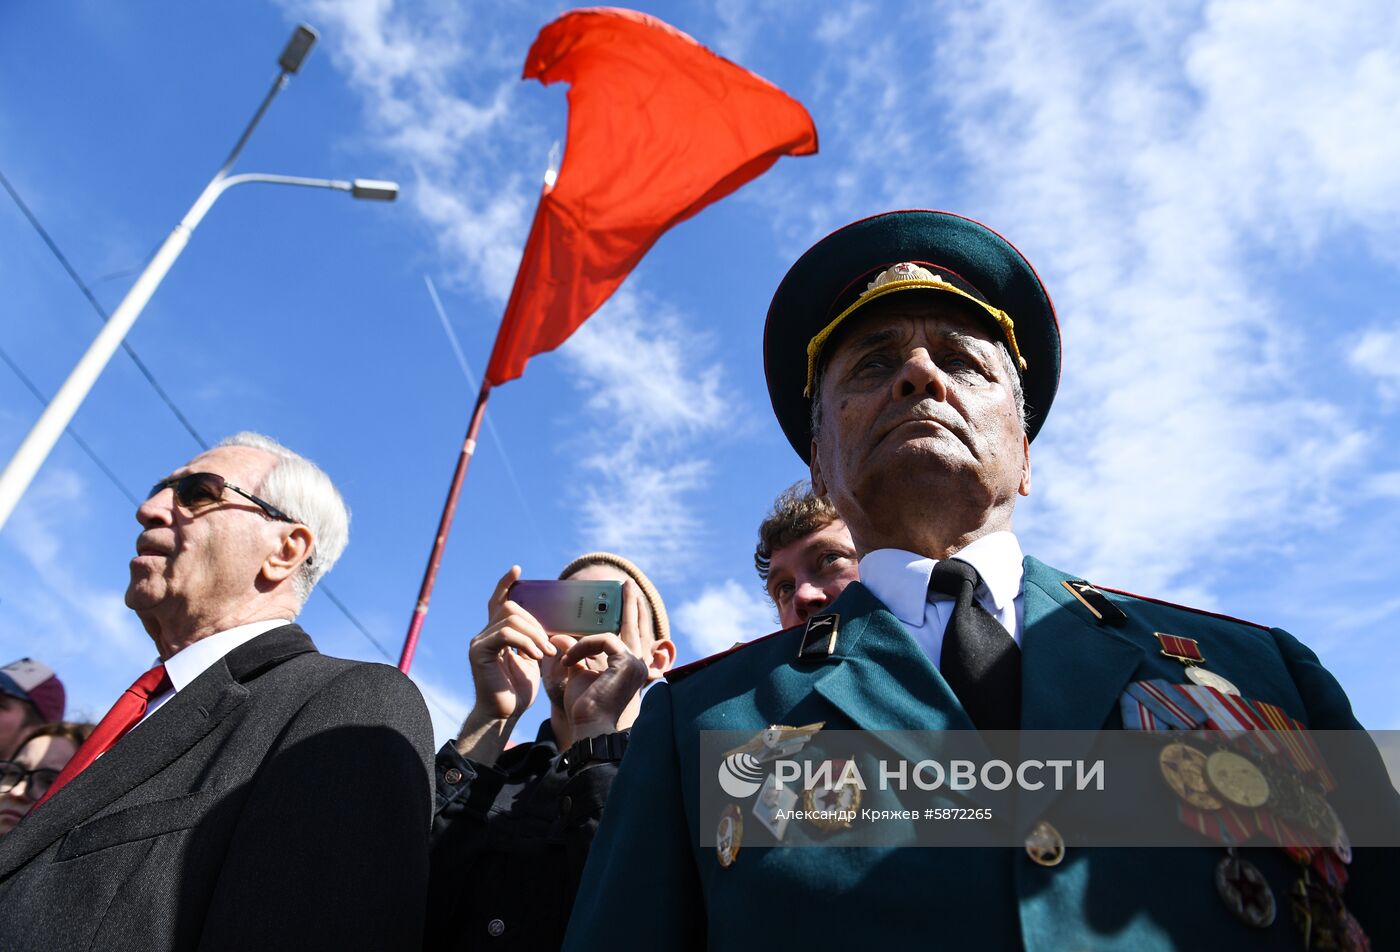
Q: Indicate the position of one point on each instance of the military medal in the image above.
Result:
(729, 835)
(1184, 769)
(778, 741)
(773, 807)
(1188, 652)
(1237, 779)
(830, 806)
(1341, 843)
(1245, 891)
(1319, 817)
(1044, 845)
(1286, 793)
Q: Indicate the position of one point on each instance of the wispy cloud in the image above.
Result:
(1145, 158)
(430, 102)
(1377, 354)
(1141, 179)
(58, 613)
(660, 404)
(1383, 484)
(722, 615)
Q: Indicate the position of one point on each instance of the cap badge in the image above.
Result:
(904, 271)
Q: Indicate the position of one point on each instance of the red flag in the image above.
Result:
(659, 127)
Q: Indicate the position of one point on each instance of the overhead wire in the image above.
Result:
(490, 425)
(170, 403)
(82, 443)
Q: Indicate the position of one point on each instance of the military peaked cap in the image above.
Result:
(899, 252)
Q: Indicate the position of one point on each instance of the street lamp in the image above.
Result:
(56, 416)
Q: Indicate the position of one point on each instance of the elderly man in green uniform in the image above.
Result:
(911, 359)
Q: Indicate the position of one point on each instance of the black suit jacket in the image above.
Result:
(280, 801)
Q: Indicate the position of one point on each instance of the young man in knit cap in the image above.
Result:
(30, 695)
(512, 827)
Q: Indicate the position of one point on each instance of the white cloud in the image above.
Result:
(659, 404)
(433, 102)
(1377, 353)
(638, 362)
(1383, 484)
(722, 615)
(1141, 181)
(71, 617)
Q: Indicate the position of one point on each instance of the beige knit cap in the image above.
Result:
(653, 597)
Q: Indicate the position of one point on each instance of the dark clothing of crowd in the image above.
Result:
(509, 843)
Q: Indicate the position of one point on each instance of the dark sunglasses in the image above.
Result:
(40, 780)
(197, 490)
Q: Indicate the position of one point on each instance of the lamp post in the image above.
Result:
(30, 456)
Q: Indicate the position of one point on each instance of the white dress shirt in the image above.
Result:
(900, 580)
(193, 660)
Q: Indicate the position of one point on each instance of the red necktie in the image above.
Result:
(123, 716)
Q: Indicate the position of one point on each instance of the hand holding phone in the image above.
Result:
(605, 670)
(505, 656)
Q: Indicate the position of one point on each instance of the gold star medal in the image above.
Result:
(729, 835)
(833, 799)
(1184, 769)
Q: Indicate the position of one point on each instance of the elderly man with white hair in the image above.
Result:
(247, 791)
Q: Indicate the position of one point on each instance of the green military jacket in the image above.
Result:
(653, 879)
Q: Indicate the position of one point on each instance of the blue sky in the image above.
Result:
(1211, 191)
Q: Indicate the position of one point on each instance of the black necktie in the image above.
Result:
(980, 660)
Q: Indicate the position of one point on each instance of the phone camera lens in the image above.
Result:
(602, 608)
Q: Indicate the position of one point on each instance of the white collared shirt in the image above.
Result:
(193, 660)
(900, 580)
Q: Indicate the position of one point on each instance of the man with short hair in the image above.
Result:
(30, 695)
(804, 555)
(513, 826)
(246, 792)
(911, 358)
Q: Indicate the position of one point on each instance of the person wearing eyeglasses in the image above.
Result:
(30, 695)
(27, 776)
(246, 791)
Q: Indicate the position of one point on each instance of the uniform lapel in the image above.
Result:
(169, 733)
(1073, 672)
(880, 678)
(1073, 669)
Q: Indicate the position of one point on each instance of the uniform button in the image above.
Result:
(495, 927)
(566, 804)
(453, 775)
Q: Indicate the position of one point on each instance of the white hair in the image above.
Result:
(303, 491)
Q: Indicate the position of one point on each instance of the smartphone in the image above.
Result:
(571, 606)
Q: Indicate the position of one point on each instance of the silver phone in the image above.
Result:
(572, 606)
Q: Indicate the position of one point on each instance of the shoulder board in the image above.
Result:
(1187, 608)
(686, 670)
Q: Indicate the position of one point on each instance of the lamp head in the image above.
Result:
(297, 47)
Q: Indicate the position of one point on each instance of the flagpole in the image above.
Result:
(449, 509)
